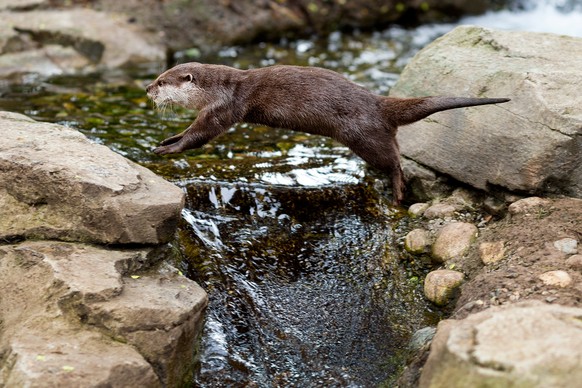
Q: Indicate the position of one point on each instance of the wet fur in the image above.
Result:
(306, 99)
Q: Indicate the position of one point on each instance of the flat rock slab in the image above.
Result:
(531, 144)
(528, 344)
(115, 325)
(56, 184)
(53, 42)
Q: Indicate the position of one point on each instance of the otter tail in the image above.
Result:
(408, 110)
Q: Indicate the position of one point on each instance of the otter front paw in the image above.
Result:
(171, 140)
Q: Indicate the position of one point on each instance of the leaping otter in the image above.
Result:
(307, 99)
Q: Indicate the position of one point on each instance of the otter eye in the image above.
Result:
(188, 78)
(160, 83)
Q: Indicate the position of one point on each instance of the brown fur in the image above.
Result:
(306, 99)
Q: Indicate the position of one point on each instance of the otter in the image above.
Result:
(306, 99)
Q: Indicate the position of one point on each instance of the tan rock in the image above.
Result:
(556, 278)
(528, 205)
(88, 193)
(529, 344)
(65, 325)
(417, 241)
(574, 262)
(439, 210)
(439, 285)
(491, 252)
(453, 240)
(417, 209)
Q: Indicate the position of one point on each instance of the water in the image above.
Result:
(289, 233)
(307, 291)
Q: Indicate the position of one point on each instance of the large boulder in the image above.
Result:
(530, 344)
(531, 144)
(80, 315)
(56, 184)
(53, 42)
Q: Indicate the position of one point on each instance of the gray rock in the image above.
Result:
(530, 144)
(422, 183)
(417, 241)
(567, 245)
(56, 184)
(421, 337)
(528, 344)
(439, 285)
(73, 316)
(453, 240)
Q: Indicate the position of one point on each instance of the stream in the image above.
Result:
(291, 235)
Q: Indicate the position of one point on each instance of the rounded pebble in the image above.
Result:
(440, 284)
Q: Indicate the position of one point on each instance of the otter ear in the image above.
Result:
(189, 78)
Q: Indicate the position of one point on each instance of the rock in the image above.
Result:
(439, 285)
(528, 205)
(208, 23)
(421, 337)
(491, 252)
(494, 206)
(439, 210)
(417, 209)
(453, 240)
(417, 241)
(575, 262)
(423, 184)
(56, 184)
(556, 278)
(76, 39)
(89, 326)
(527, 344)
(530, 144)
(567, 245)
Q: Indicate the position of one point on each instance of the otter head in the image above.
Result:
(178, 86)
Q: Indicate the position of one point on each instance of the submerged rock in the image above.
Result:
(530, 144)
(522, 345)
(56, 184)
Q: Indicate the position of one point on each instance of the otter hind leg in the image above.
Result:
(382, 153)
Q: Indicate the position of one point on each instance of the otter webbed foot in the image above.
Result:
(174, 148)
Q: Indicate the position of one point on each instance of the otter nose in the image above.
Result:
(149, 87)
